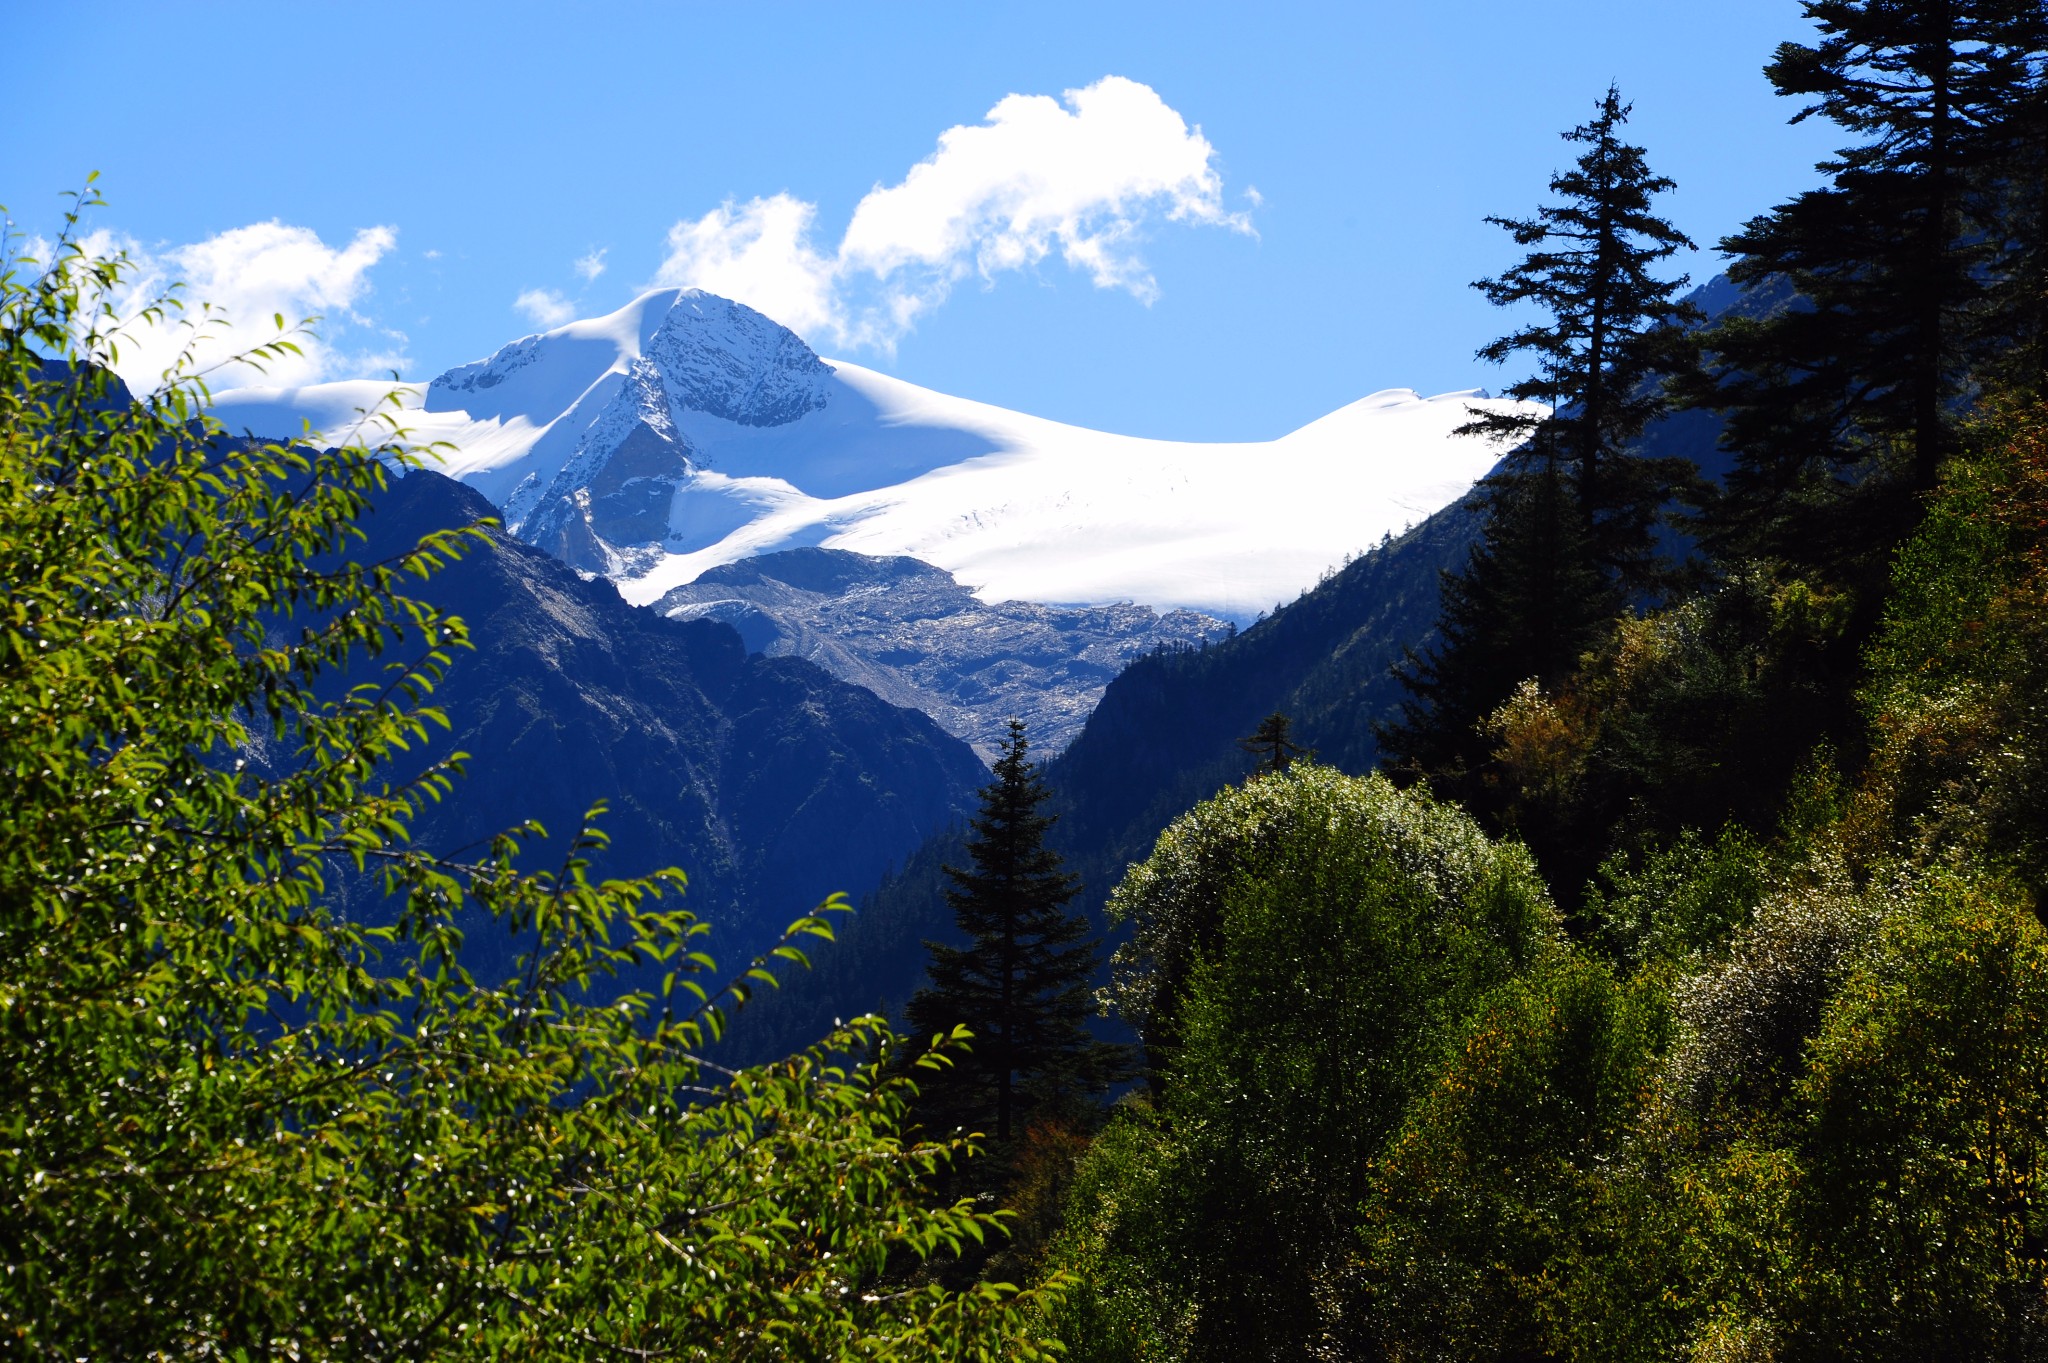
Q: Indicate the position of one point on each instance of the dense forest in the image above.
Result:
(1676, 988)
(1652, 964)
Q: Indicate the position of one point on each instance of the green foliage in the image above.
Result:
(1528, 602)
(1665, 903)
(1488, 1204)
(1749, 1011)
(239, 1125)
(1306, 950)
(1130, 1215)
(1919, 1224)
(1700, 715)
(1959, 767)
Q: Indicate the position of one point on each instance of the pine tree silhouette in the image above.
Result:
(1611, 327)
(1570, 537)
(1271, 744)
(1896, 283)
(1021, 983)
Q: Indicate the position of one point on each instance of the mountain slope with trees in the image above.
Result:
(1165, 736)
(1766, 1085)
(775, 783)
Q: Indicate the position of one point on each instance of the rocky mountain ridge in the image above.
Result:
(913, 635)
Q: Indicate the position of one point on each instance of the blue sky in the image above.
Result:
(426, 165)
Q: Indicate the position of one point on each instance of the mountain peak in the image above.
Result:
(714, 355)
(726, 360)
(685, 431)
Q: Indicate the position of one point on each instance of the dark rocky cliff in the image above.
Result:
(771, 782)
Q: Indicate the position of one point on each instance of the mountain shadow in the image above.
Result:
(769, 781)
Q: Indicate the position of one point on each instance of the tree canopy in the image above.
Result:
(238, 1124)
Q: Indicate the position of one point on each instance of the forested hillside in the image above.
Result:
(1685, 991)
(774, 782)
(1608, 922)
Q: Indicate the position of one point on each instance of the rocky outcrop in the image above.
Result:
(726, 360)
(915, 636)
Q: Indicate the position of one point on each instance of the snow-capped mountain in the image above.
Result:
(684, 432)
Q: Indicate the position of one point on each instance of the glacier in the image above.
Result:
(685, 432)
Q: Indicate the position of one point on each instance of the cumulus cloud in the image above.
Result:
(249, 276)
(545, 308)
(1080, 177)
(590, 266)
(759, 253)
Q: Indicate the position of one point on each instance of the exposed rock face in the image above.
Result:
(914, 636)
(616, 491)
(726, 360)
(479, 376)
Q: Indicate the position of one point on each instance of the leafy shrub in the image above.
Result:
(234, 1123)
(1486, 1203)
(1327, 937)
(1657, 903)
(1918, 1225)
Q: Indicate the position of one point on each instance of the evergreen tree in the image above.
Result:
(1571, 514)
(1528, 603)
(1021, 984)
(1271, 743)
(1612, 326)
(1840, 401)
(2011, 198)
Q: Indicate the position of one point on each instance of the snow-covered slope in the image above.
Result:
(684, 432)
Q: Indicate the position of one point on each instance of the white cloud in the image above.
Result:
(250, 275)
(760, 254)
(1081, 178)
(591, 265)
(545, 308)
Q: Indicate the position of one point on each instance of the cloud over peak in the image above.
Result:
(1084, 177)
(1081, 177)
(545, 308)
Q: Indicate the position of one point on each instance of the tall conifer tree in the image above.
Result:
(1610, 327)
(1840, 401)
(1572, 512)
(1021, 983)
